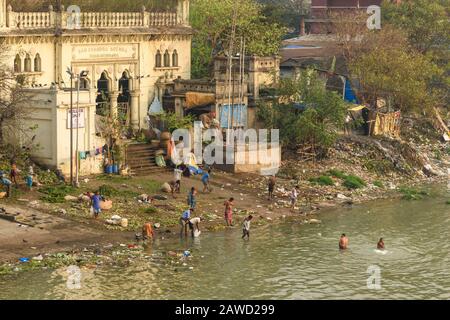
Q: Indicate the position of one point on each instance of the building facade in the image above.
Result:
(128, 59)
(321, 9)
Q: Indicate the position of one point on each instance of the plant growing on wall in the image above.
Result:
(172, 121)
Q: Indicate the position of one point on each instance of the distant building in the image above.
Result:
(129, 57)
(321, 9)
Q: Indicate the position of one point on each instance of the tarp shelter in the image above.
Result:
(386, 124)
(197, 99)
(155, 107)
(349, 94)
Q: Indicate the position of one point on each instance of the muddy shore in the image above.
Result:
(64, 239)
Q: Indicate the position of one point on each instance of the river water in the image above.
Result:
(284, 261)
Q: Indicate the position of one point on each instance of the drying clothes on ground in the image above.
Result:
(160, 161)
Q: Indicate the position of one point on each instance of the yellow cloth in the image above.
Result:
(356, 108)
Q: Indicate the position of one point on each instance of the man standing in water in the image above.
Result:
(293, 196)
(184, 221)
(246, 227)
(343, 242)
(380, 244)
(229, 212)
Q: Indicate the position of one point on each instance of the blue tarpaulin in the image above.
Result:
(238, 115)
(349, 95)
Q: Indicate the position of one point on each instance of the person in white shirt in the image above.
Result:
(194, 225)
(294, 196)
(246, 227)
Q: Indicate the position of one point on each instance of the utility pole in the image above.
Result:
(230, 66)
(69, 71)
(77, 159)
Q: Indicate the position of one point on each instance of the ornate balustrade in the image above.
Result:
(74, 20)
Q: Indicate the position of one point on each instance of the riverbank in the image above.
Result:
(285, 260)
(358, 170)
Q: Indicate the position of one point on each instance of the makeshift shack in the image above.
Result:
(387, 124)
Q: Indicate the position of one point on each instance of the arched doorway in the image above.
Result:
(123, 101)
(102, 100)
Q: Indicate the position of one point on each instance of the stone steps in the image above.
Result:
(141, 159)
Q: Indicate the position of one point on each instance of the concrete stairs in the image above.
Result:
(141, 159)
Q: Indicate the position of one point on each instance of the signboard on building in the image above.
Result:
(104, 52)
(77, 117)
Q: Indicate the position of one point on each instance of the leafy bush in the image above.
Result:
(108, 191)
(337, 173)
(323, 181)
(308, 114)
(56, 194)
(47, 177)
(172, 121)
(354, 182)
(413, 194)
(151, 210)
(378, 184)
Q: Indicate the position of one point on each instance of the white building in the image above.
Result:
(130, 57)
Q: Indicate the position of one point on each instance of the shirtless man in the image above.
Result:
(380, 244)
(343, 242)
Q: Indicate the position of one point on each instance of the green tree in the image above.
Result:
(402, 77)
(427, 26)
(317, 125)
(213, 20)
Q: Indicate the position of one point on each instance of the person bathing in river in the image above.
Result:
(380, 244)
(246, 227)
(294, 196)
(229, 212)
(194, 226)
(147, 231)
(343, 242)
(184, 221)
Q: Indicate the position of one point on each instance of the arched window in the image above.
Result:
(84, 84)
(37, 63)
(175, 58)
(27, 63)
(166, 59)
(158, 59)
(17, 64)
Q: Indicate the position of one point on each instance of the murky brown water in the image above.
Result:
(285, 261)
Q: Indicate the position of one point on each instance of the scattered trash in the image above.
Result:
(38, 258)
(24, 260)
(166, 188)
(70, 198)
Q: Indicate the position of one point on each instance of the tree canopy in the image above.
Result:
(317, 125)
(213, 20)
